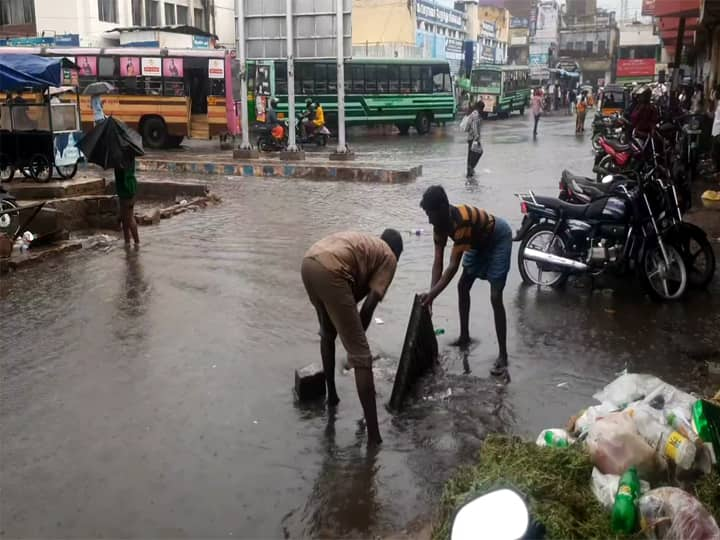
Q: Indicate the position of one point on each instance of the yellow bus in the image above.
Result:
(165, 94)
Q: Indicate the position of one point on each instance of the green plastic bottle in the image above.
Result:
(625, 512)
(700, 420)
(439, 331)
(554, 440)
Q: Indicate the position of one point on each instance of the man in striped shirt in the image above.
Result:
(483, 243)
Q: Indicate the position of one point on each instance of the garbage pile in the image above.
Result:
(648, 442)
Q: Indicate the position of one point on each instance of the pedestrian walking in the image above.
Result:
(473, 126)
(338, 272)
(581, 109)
(572, 99)
(537, 107)
(483, 243)
(126, 189)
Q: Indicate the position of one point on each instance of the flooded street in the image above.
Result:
(149, 393)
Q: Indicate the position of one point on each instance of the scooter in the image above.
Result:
(273, 139)
(10, 221)
(501, 515)
(318, 137)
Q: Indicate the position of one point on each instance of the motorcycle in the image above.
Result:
(272, 138)
(618, 232)
(10, 221)
(318, 137)
(691, 240)
(609, 127)
(501, 514)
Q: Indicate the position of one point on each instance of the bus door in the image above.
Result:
(197, 87)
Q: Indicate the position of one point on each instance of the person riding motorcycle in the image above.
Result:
(308, 117)
(644, 116)
(319, 120)
(276, 128)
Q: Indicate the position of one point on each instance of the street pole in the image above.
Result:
(342, 147)
(242, 60)
(292, 146)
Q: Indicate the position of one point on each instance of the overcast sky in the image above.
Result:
(633, 6)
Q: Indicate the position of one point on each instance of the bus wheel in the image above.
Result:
(404, 129)
(174, 141)
(422, 123)
(154, 132)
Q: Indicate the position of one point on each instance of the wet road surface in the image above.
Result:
(148, 393)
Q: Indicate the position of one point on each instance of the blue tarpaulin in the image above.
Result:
(19, 71)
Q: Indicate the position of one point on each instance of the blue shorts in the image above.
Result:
(492, 262)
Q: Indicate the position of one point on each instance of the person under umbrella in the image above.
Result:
(126, 189)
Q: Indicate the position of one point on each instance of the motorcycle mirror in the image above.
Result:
(607, 179)
(500, 515)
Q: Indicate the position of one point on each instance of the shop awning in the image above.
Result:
(677, 8)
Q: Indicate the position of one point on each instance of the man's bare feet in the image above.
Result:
(462, 341)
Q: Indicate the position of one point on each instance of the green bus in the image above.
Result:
(503, 89)
(402, 92)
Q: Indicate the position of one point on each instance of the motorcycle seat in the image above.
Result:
(567, 176)
(575, 211)
(618, 147)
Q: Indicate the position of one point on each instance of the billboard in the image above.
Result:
(313, 27)
(546, 25)
(648, 8)
(519, 22)
(150, 67)
(87, 65)
(173, 67)
(129, 66)
(636, 67)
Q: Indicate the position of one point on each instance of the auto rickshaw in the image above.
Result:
(614, 99)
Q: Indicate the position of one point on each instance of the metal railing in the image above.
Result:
(387, 50)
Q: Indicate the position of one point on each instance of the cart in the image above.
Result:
(37, 137)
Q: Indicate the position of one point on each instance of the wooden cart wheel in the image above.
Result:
(7, 168)
(40, 168)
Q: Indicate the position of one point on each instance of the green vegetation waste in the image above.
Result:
(556, 482)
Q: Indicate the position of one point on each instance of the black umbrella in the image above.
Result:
(111, 144)
(98, 88)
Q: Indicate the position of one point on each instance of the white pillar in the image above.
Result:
(342, 147)
(292, 147)
(161, 7)
(191, 12)
(240, 48)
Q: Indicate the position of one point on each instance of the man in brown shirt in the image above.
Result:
(339, 271)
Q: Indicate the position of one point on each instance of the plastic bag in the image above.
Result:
(671, 513)
(557, 438)
(591, 415)
(627, 388)
(615, 445)
(464, 122)
(605, 486)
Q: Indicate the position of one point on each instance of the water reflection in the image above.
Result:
(132, 300)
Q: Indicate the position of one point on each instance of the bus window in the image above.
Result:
(281, 81)
(415, 79)
(405, 79)
(441, 78)
(371, 86)
(174, 85)
(320, 78)
(108, 69)
(332, 78)
(426, 80)
(382, 75)
(304, 79)
(358, 79)
(393, 79)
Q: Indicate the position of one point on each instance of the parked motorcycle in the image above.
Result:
(618, 232)
(609, 127)
(9, 222)
(691, 240)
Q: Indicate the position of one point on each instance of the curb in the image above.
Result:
(335, 171)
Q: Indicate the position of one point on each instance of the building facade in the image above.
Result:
(592, 42)
(519, 41)
(92, 19)
(384, 28)
(638, 53)
(441, 31)
(544, 37)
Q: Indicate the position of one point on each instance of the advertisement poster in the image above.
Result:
(129, 66)
(648, 8)
(636, 67)
(546, 26)
(216, 68)
(151, 67)
(88, 65)
(172, 67)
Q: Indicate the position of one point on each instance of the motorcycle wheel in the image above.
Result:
(697, 254)
(605, 167)
(663, 282)
(261, 144)
(595, 141)
(9, 223)
(7, 169)
(321, 140)
(539, 237)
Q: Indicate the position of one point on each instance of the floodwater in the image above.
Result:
(149, 393)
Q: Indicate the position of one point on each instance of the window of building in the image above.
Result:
(182, 15)
(281, 82)
(602, 47)
(17, 12)
(589, 46)
(152, 13)
(200, 20)
(169, 13)
(136, 12)
(107, 10)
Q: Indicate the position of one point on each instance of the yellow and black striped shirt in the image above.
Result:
(470, 227)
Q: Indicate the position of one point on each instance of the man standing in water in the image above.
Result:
(339, 271)
(486, 242)
(126, 189)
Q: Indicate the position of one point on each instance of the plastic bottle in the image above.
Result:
(700, 421)
(625, 511)
(439, 331)
(683, 427)
(679, 449)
